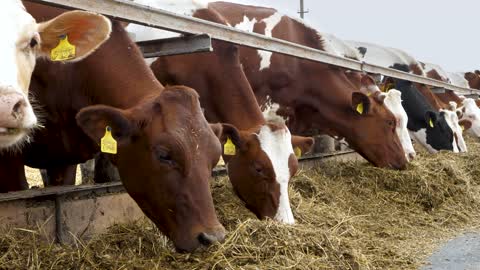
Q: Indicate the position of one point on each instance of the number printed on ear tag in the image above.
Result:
(108, 144)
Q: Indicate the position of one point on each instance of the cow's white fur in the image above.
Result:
(336, 46)
(270, 23)
(429, 67)
(384, 56)
(183, 7)
(278, 147)
(393, 101)
(456, 128)
(458, 79)
(472, 113)
(452, 121)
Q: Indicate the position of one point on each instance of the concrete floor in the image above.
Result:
(461, 253)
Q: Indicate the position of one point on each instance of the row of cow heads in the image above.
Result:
(23, 41)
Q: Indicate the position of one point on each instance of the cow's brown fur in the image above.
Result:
(315, 96)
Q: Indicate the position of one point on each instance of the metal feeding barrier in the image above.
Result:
(125, 10)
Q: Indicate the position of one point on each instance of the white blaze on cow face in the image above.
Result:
(451, 117)
(393, 101)
(277, 145)
(472, 113)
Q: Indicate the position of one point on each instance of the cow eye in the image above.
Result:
(33, 43)
(163, 155)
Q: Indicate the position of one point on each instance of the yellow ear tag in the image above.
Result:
(431, 123)
(463, 127)
(63, 51)
(229, 148)
(108, 144)
(298, 152)
(360, 108)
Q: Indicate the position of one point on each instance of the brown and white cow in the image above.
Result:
(264, 162)
(24, 40)
(312, 96)
(166, 148)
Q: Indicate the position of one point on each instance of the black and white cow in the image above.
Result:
(426, 125)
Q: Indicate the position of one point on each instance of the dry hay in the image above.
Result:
(349, 216)
(34, 178)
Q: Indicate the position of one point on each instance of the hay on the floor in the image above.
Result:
(349, 216)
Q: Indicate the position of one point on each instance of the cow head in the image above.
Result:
(166, 152)
(262, 165)
(435, 134)
(471, 112)
(23, 40)
(372, 118)
(473, 79)
(393, 101)
(452, 116)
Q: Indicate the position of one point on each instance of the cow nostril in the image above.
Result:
(206, 239)
(17, 108)
(411, 156)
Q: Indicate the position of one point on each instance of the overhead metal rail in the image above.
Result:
(125, 10)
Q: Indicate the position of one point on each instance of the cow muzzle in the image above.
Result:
(16, 117)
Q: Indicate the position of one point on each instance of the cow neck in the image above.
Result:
(237, 105)
(136, 82)
(432, 99)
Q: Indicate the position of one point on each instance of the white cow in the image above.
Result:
(23, 40)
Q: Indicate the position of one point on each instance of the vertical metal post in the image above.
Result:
(302, 10)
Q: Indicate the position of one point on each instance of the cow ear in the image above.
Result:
(302, 145)
(470, 76)
(465, 124)
(431, 118)
(94, 121)
(73, 35)
(477, 72)
(227, 131)
(459, 112)
(360, 103)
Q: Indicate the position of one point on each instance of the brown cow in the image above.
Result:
(313, 96)
(166, 149)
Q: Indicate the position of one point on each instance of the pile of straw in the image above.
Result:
(349, 216)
